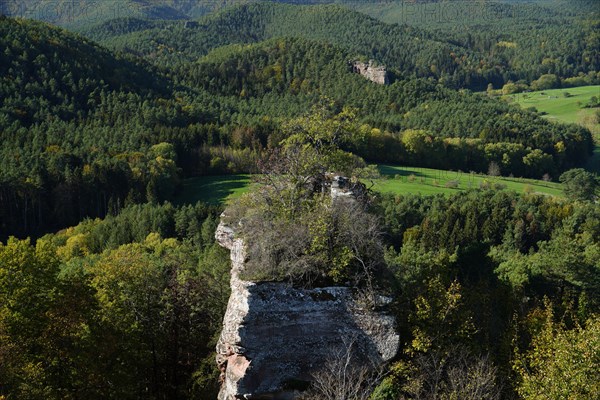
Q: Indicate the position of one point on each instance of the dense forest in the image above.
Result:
(459, 58)
(109, 290)
(87, 134)
(490, 284)
(127, 307)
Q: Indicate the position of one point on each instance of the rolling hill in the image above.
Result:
(49, 72)
(80, 122)
(462, 44)
(401, 48)
(470, 56)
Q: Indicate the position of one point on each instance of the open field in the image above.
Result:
(433, 181)
(558, 107)
(220, 189)
(397, 180)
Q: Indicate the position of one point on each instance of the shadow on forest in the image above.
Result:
(593, 164)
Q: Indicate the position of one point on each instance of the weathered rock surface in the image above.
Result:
(343, 189)
(275, 336)
(377, 74)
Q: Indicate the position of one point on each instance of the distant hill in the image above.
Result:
(467, 13)
(462, 43)
(471, 56)
(39, 61)
(82, 14)
(409, 50)
(70, 14)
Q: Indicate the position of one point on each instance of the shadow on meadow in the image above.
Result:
(211, 189)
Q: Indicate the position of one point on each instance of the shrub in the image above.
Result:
(324, 244)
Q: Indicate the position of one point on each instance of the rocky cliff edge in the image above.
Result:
(275, 336)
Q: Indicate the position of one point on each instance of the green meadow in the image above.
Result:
(567, 105)
(401, 180)
(394, 179)
(557, 106)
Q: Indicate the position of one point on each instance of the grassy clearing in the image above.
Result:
(433, 181)
(559, 107)
(397, 180)
(212, 189)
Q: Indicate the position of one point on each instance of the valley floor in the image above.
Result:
(394, 179)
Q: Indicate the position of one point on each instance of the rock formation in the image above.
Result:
(276, 336)
(377, 74)
(342, 189)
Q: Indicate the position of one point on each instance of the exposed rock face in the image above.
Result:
(343, 189)
(377, 74)
(275, 336)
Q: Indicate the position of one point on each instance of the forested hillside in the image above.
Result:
(472, 57)
(108, 291)
(461, 43)
(61, 97)
(79, 14)
(84, 135)
(127, 307)
(65, 69)
(260, 21)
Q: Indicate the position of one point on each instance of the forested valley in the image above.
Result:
(111, 287)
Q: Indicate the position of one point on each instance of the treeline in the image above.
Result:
(64, 190)
(123, 308)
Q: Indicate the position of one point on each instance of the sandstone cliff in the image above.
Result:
(275, 336)
(377, 74)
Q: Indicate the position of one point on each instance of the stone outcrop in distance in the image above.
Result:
(377, 74)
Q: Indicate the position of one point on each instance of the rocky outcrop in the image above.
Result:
(377, 74)
(343, 189)
(275, 336)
